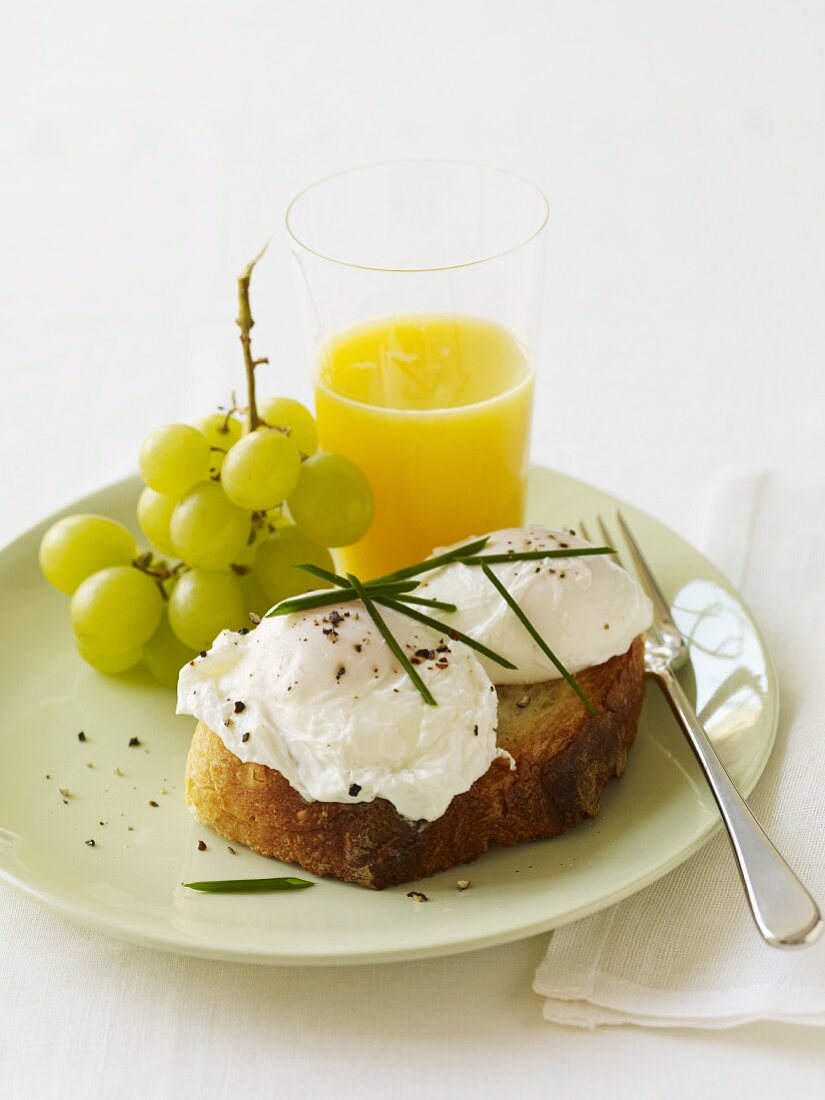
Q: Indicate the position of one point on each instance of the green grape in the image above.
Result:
(116, 610)
(261, 470)
(332, 501)
(76, 547)
(283, 412)
(222, 431)
(276, 560)
(109, 662)
(203, 604)
(165, 654)
(154, 511)
(174, 458)
(206, 529)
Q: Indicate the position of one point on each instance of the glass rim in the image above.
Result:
(296, 240)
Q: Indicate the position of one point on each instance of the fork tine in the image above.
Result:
(607, 539)
(646, 576)
(582, 529)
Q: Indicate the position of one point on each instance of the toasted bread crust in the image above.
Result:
(564, 760)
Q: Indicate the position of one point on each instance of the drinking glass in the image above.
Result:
(420, 282)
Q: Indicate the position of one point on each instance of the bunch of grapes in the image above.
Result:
(229, 512)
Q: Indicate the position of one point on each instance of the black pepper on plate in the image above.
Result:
(81, 736)
(239, 706)
(416, 895)
(201, 846)
(340, 672)
(134, 742)
(245, 736)
(354, 790)
(90, 843)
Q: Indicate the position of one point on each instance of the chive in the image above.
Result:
(433, 563)
(536, 555)
(342, 582)
(534, 634)
(333, 596)
(444, 628)
(325, 575)
(422, 602)
(390, 640)
(248, 885)
(468, 555)
(317, 599)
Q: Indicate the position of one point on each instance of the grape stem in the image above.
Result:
(157, 570)
(245, 323)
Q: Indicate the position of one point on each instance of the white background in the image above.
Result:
(146, 151)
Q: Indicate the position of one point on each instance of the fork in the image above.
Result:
(785, 913)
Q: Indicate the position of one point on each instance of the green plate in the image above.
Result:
(128, 884)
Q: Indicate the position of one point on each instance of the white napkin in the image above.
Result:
(684, 952)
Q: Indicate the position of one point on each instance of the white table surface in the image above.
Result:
(147, 151)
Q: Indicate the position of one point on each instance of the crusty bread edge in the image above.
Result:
(562, 769)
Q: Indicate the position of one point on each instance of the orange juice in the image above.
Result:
(436, 412)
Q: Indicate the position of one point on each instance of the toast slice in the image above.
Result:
(564, 758)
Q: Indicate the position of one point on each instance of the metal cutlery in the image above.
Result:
(785, 913)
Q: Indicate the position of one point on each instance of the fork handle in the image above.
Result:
(784, 911)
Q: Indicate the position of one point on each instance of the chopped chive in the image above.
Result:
(444, 628)
(386, 633)
(399, 587)
(534, 634)
(433, 563)
(334, 595)
(342, 582)
(536, 555)
(325, 574)
(317, 599)
(439, 605)
(248, 885)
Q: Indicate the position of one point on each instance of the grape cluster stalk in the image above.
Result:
(232, 505)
